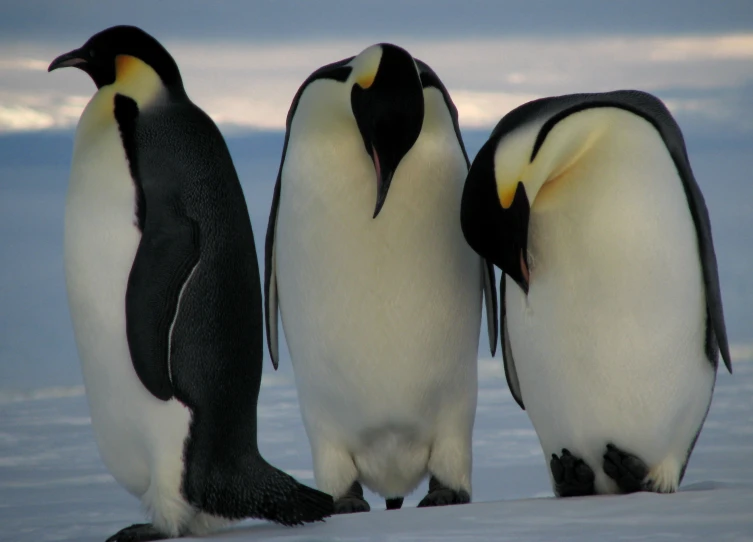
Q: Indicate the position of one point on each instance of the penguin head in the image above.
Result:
(120, 55)
(530, 156)
(387, 101)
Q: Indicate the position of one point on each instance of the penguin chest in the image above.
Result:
(609, 342)
(101, 238)
(381, 315)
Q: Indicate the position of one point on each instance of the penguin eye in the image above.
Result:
(91, 53)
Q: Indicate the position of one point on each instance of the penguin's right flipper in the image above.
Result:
(572, 476)
(511, 375)
(270, 276)
(339, 71)
(166, 257)
(138, 532)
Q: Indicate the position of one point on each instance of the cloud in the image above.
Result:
(251, 85)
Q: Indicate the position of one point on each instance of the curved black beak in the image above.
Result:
(384, 179)
(75, 58)
(498, 234)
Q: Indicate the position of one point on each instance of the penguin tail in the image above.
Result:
(282, 499)
(258, 490)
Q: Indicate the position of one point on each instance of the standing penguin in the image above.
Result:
(380, 302)
(612, 316)
(165, 298)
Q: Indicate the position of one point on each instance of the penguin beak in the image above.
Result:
(384, 179)
(76, 58)
(514, 248)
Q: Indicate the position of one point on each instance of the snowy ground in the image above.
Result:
(53, 485)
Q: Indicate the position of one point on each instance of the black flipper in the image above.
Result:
(511, 375)
(337, 71)
(168, 253)
(429, 78)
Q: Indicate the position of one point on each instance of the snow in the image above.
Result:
(53, 485)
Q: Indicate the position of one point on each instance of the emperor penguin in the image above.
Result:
(611, 310)
(165, 298)
(380, 299)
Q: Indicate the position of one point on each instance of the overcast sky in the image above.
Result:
(243, 61)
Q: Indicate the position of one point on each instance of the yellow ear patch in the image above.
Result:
(365, 81)
(507, 193)
(366, 65)
(136, 79)
(125, 65)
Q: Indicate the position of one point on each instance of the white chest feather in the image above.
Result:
(609, 343)
(381, 315)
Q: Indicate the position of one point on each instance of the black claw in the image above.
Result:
(352, 502)
(627, 470)
(138, 532)
(572, 476)
(441, 495)
(394, 504)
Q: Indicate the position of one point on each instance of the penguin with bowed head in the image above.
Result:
(380, 296)
(165, 298)
(611, 309)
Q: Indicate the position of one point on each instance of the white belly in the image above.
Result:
(381, 315)
(609, 344)
(137, 434)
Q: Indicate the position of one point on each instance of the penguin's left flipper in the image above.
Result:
(511, 374)
(138, 532)
(441, 495)
(572, 476)
(165, 259)
(627, 470)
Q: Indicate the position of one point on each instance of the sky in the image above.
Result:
(243, 61)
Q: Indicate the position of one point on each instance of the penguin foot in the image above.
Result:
(352, 501)
(626, 469)
(441, 495)
(138, 532)
(572, 476)
(394, 504)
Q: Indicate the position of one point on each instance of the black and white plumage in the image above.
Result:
(611, 308)
(380, 295)
(165, 298)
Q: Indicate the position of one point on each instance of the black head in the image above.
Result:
(497, 232)
(389, 109)
(97, 57)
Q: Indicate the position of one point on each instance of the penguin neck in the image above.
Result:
(137, 80)
(134, 79)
